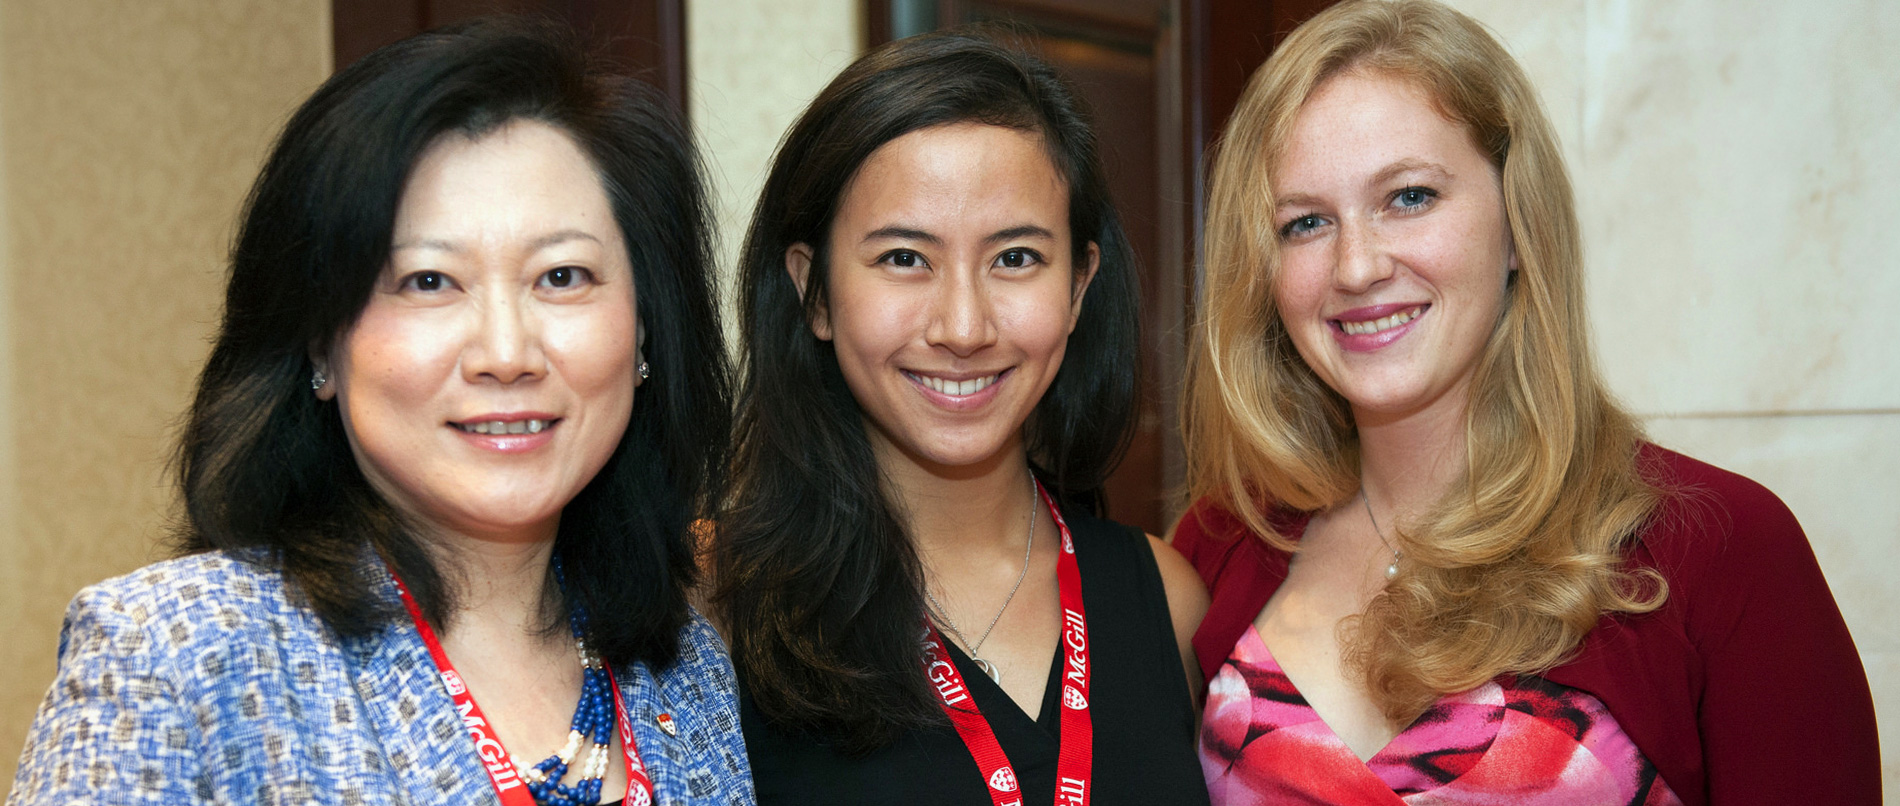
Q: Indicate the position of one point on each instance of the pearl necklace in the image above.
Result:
(1393, 569)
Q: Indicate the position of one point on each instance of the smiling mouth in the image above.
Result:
(496, 428)
(953, 387)
(1380, 325)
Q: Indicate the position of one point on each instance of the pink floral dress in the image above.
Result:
(1515, 740)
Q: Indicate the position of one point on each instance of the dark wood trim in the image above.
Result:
(644, 37)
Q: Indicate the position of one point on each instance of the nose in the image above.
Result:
(506, 346)
(1360, 259)
(963, 320)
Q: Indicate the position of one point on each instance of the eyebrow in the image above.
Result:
(1385, 175)
(543, 242)
(910, 234)
(1407, 166)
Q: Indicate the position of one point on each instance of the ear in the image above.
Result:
(327, 390)
(639, 346)
(1079, 287)
(798, 265)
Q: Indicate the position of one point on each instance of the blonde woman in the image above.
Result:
(1445, 566)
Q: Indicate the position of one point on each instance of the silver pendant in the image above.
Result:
(989, 669)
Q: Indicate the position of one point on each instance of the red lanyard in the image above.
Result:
(1076, 759)
(501, 769)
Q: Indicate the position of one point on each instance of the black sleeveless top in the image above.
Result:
(1138, 698)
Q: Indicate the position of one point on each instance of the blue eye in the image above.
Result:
(1301, 226)
(1414, 197)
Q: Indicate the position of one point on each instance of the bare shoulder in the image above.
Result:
(1187, 596)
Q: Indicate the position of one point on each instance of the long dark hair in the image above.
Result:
(264, 465)
(816, 577)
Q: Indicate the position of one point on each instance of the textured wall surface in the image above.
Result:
(1734, 164)
(129, 134)
(754, 64)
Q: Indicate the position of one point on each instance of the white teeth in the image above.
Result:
(1380, 325)
(958, 388)
(498, 428)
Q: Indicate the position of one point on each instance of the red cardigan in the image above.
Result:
(1743, 688)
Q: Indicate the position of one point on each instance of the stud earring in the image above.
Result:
(317, 380)
(644, 370)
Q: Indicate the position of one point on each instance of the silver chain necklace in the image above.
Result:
(943, 615)
(1393, 569)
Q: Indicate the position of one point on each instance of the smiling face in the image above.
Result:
(491, 374)
(952, 290)
(1394, 247)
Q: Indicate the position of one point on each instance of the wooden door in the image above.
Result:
(1162, 76)
(647, 37)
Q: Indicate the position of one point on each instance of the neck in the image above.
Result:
(501, 582)
(1406, 464)
(966, 511)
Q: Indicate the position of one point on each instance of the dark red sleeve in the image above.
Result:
(1785, 715)
(1241, 573)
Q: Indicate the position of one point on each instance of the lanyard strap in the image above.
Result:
(1075, 760)
(509, 787)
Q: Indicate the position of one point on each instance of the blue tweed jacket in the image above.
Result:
(197, 680)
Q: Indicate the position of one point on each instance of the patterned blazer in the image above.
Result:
(198, 680)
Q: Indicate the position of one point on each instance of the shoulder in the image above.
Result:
(205, 591)
(690, 717)
(1712, 522)
(1212, 538)
(189, 618)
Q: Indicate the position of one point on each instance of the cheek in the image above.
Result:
(390, 364)
(593, 349)
(869, 324)
(1038, 321)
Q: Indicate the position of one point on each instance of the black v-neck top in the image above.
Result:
(1138, 697)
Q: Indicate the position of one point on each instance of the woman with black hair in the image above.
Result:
(437, 546)
(940, 334)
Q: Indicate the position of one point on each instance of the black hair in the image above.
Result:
(263, 464)
(817, 581)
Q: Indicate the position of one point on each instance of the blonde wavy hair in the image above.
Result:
(1511, 570)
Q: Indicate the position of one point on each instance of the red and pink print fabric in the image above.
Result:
(1522, 741)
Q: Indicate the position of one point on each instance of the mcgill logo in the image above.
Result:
(1003, 780)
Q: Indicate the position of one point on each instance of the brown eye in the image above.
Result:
(427, 281)
(566, 277)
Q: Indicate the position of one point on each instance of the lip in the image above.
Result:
(508, 443)
(959, 403)
(1368, 342)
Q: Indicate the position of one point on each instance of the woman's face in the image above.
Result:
(952, 290)
(1394, 247)
(492, 372)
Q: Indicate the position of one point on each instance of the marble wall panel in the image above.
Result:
(754, 64)
(1738, 161)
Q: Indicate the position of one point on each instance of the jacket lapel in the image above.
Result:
(426, 750)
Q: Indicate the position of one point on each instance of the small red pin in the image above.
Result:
(666, 724)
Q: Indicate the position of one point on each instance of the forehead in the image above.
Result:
(525, 172)
(957, 173)
(1362, 121)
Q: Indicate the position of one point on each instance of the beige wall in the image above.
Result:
(1734, 164)
(129, 133)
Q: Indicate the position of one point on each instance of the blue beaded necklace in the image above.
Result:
(594, 720)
